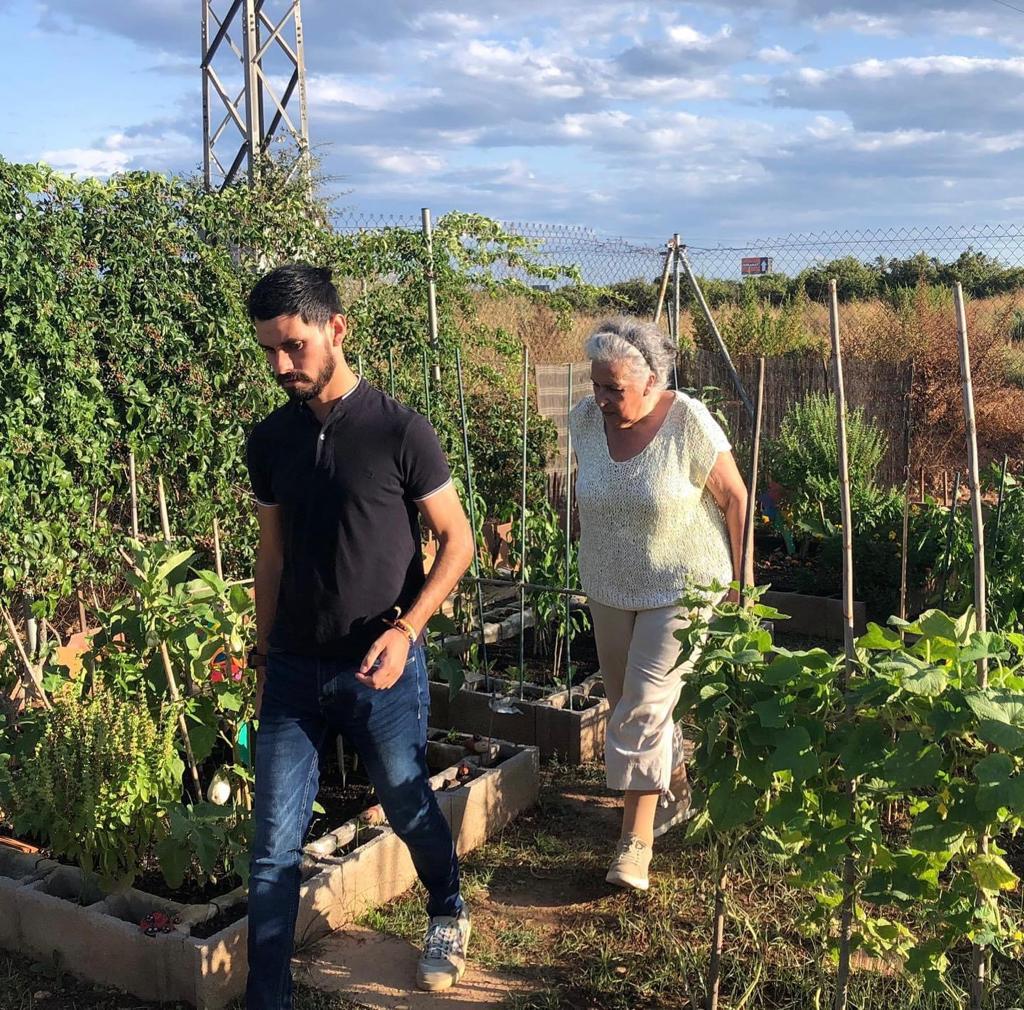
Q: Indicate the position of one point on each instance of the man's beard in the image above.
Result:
(302, 395)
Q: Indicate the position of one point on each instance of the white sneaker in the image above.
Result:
(631, 864)
(443, 961)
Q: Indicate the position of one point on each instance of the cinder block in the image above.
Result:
(10, 914)
(103, 943)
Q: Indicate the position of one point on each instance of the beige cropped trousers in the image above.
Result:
(637, 651)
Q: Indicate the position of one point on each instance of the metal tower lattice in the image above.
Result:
(253, 65)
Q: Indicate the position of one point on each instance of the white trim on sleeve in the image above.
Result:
(436, 490)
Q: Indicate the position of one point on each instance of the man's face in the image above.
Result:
(301, 355)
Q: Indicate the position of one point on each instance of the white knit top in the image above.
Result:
(648, 525)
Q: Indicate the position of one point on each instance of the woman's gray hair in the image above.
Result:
(642, 344)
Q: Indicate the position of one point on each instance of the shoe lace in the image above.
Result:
(632, 847)
(442, 939)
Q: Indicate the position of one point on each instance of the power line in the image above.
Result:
(1019, 10)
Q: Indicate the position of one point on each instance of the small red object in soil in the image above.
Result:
(156, 922)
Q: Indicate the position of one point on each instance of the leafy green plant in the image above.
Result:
(803, 458)
(203, 840)
(779, 740)
(123, 329)
(93, 785)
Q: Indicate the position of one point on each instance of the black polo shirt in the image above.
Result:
(347, 492)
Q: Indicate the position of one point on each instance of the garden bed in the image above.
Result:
(543, 718)
(52, 912)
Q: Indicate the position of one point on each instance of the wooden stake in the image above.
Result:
(973, 480)
(218, 565)
(978, 966)
(722, 349)
(907, 478)
(34, 676)
(849, 866)
(670, 253)
(165, 523)
(747, 553)
(82, 623)
(172, 688)
(844, 477)
(921, 491)
(134, 489)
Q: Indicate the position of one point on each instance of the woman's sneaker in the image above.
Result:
(631, 864)
(443, 961)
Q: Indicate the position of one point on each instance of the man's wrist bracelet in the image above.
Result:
(406, 628)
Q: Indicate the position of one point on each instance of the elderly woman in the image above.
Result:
(662, 507)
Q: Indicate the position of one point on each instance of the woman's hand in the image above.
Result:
(727, 488)
(390, 652)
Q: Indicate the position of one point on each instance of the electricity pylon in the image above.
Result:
(253, 67)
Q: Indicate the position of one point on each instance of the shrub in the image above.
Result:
(804, 459)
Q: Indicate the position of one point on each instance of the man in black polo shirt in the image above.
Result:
(341, 475)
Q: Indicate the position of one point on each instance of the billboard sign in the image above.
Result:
(750, 265)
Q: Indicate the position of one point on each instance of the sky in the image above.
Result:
(721, 120)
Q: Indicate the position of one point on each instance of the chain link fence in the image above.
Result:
(605, 259)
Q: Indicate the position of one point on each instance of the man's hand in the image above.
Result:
(392, 651)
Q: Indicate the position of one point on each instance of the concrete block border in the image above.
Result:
(54, 914)
(820, 616)
(542, 720)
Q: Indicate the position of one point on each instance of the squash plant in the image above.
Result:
(778, 741)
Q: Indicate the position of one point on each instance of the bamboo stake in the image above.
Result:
(722, 349)
(218, 562)
(675, 312)
(522, 525)
(472, 516)
(172, 688)
(165, 523)
(428, 236)
(134, 489)
(747, 552)
(82, 622)
(663, 287)
(849, 866)
(568, 539)
(978, 966)
(34, 677)
(426, 386)
(907, 478)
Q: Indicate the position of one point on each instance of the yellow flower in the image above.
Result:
(892, 534)
(765, 519)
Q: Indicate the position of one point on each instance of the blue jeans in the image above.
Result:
(305, 703)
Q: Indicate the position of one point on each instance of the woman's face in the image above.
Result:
(619, 391)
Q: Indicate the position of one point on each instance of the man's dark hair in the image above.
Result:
(295, 289)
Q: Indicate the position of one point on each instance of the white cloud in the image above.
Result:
(776, 54)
